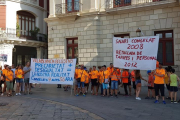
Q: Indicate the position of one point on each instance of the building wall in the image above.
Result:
(13, 7)
(95, 33)
(3, 16)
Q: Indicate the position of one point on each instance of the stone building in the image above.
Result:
(84, 29)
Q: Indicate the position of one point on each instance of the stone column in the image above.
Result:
(51, 8)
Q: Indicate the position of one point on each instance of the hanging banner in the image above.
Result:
(135, 53)
(52, 71)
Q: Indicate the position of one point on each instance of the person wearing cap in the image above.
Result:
(94, 79)
(9, 81)
(4, 79)
(105, 80)
(81, 73)
(115, 77)
(150, 85)
(159, 83)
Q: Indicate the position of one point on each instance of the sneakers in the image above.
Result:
(164, 102)
(156, 101)
(77, 95)
(2, 94)
(147, 97)
(84, 95)
(175, 101)
(138, 98)
(172, 101)
(17, 94)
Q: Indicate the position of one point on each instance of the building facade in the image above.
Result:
(84, 29)
(23, 32)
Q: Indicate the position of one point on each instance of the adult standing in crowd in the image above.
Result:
(133, 80)
(9, 81)
(159, 83)
(4, 79)
(94, 78)
(124, 77)
(13, 70)
(26, 71)
(19, 79)
(110, 69)
(80, 82)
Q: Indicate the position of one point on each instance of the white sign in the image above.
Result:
(3, 57)
(52, 71)
(135, 53)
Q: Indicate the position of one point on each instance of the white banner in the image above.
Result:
(52, 71)
(135, 53)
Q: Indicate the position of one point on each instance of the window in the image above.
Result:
(72, 5)
(41, 3)
(166, 48)
(120, 3)
(72, 48)
(26, 22)
(122, 35)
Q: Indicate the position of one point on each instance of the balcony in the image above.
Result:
(14, 34)
(68, 8)
(116, 5)
(2, 2)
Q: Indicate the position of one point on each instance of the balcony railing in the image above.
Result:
(67, 8)
(9, 33)
(2, 2)
(120, 3)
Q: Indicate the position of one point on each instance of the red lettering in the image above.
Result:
(121, 41)
(130, 64)
(139, 52)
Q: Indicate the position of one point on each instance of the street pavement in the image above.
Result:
(51, 103)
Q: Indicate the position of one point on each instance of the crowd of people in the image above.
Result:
(11, 75)
(112, 78)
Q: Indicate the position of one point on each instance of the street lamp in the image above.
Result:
(138, 32)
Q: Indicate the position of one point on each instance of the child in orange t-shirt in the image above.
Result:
(150, 85)
(19, 79)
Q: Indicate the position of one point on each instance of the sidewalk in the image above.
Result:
(125, 108)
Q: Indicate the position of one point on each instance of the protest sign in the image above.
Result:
(135, 53)
(52, 71)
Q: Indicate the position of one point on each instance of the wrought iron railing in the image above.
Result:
(121, 3)
(69, 7)
(21, 34)
(2, 2)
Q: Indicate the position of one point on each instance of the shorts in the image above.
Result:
(94, 82)
(19, 80)
(9, 85)
(134, 85)
(168, 86)
(150, 87)
(137, 81)
(86, 84)
(26, 80)
(105, 86)
(173, 89)
(80, 84)
(158, 87)
(114, 84)
(129, 83)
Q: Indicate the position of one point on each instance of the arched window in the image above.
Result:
(26, 22)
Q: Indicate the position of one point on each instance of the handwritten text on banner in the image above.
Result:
(135, 53)
(52, 71)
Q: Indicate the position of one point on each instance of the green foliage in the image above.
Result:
(34, 32)
(18, 30)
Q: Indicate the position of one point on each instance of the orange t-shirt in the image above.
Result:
(110, 70)
(87, 78)
(159, 80)
(76, 70)
(125, 74)
(132, 75)
(19, 73)
(94, 74)
(4, 71)
(104, 75)
(151, 80)
(9, 74)
(100, 77)
(115, 76)
(157, 64)
(81, 74)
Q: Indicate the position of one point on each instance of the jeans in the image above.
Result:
(80, 84)
(114, 84)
